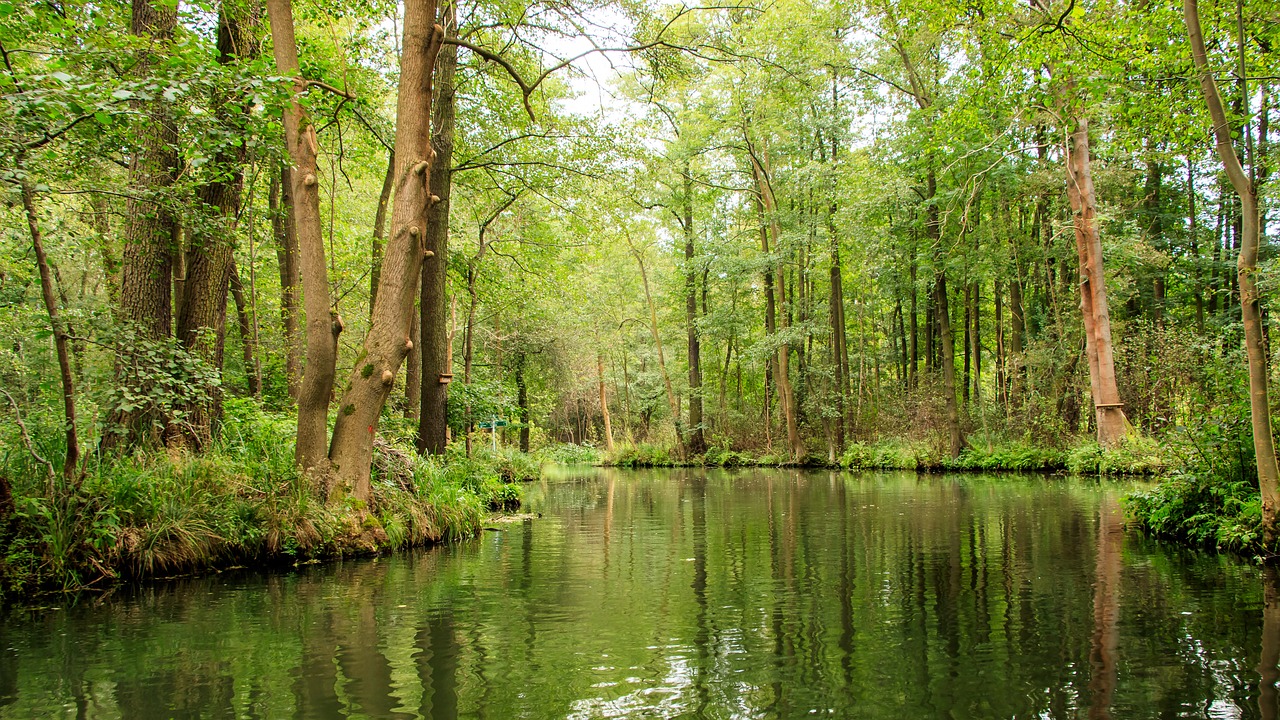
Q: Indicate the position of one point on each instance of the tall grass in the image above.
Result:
(242, 501)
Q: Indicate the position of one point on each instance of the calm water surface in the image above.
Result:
(693, 594)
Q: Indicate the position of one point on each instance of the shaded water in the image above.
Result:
(699, 594)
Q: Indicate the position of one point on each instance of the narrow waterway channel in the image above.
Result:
(690, 593)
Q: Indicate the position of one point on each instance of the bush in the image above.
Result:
(1224, 513)
(568, 454)
(642, 455)
(889, 455)
(243, 500)
(1010, 456)
(1136, 455)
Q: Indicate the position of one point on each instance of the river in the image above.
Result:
(690, 593)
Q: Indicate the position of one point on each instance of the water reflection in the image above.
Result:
(698, 594)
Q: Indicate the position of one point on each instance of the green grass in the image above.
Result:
(155, 514)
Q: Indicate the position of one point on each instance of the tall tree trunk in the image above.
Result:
(522, 400)
(413, 370)
(433, 321)
(657, 341)
(146, 266)
(248, 334)
(968, 342)
(1250, 307)
(387, 343)
(283, 231)
(795, 446)
(915, 321)
(839, 335)
(697, 439)
(380, 229)
(941, 308)
(1002, 389)
(202, 312)
(70, 427)
(604, 403)
(1109, 411)
(323, 323)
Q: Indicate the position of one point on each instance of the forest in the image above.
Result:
(283, 280)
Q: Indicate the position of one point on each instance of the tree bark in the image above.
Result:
(697, 439)
(657, 341)
(433, 320)
(941, 307)
(248, 334)
(283, 231)
(604, 404)
(795, 447)
(1109, 411)
(323, 322)
(1250, 306)
(380, 229)
(146, 266)
(839, 335)
(70, 428)
(522, 400)
(202, 312)
(387, 342)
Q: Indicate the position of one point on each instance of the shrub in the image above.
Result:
(1136, 455)
(568, 454)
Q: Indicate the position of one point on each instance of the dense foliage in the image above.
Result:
(849, 232)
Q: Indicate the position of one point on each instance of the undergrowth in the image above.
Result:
(153, 514)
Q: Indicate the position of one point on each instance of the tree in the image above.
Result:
(1247, 264)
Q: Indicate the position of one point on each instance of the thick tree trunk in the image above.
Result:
(323, 323)
(146, 267)
(283, 231)
(604, 404)
(387, 342)
(697, 439)
(202, 312)
(1109, 411)
(1250, 306)
(71, 429)
(433, 320)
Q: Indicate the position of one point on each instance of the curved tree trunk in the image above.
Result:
(387, 342)
(72, 457)
(1247, 266)
(323, 324)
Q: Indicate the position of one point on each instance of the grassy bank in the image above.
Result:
(1138, 456)
(241, 503)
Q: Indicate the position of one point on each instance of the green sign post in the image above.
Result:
(493, 425)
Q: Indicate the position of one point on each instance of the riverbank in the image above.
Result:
(1138, 456)
(159, 514)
